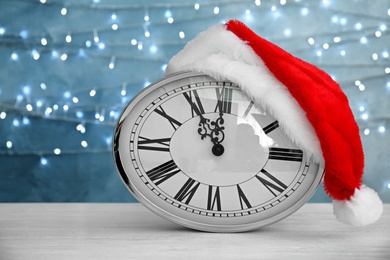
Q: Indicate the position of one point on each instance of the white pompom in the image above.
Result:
(364, 208)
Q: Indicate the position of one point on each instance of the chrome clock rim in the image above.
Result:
(121, 159)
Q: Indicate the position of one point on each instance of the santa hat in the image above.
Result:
(308, 104)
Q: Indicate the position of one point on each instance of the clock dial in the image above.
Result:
(198, 152)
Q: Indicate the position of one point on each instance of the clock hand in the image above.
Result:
(216, 133)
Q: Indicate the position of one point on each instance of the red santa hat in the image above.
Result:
(309, 105)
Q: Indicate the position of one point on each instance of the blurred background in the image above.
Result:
(68, 68)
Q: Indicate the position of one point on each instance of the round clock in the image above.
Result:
(197, 152)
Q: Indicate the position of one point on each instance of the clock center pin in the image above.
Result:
(241, 156)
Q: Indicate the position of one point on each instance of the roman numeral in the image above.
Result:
(224, 96)
(243, 199)
(163, 172)
(214, 199)
(248, 109)
(175, 124)
(196, 107)
(274, 185)
(187, 191)
(161, 144)
(285, 154)
(271, 127)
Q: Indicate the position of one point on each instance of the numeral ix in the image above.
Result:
(160, 145)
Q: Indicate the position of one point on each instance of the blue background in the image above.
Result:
(68, 68)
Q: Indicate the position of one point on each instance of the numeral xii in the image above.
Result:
(224, 97)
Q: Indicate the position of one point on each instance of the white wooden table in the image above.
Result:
(129, 231)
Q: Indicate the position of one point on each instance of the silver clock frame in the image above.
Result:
(121, 161)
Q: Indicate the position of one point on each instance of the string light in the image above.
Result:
(358, 26)
(3, 115)
(123, 91)
(146, 16)
(9, 144)
(95, 36)
(15, 123)
(64, 11)
(101, 46)
(44, 41)
(64, 56)
(92, 93)
(325, 46)
(35, 54)
(24, 34)
(363, 40)
(68, 38)
(153, 49)
(43, 161)
(98, 44)
(14, 56)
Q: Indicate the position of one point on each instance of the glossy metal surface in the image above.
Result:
(124, 160)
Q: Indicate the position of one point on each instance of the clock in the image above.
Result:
(198, 152)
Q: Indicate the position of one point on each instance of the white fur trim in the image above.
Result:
(220, 54)
(364, 208)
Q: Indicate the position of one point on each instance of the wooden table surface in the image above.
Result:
(129, 231)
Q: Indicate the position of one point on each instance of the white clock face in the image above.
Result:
(198, 152)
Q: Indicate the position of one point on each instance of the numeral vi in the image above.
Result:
(214, 199)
